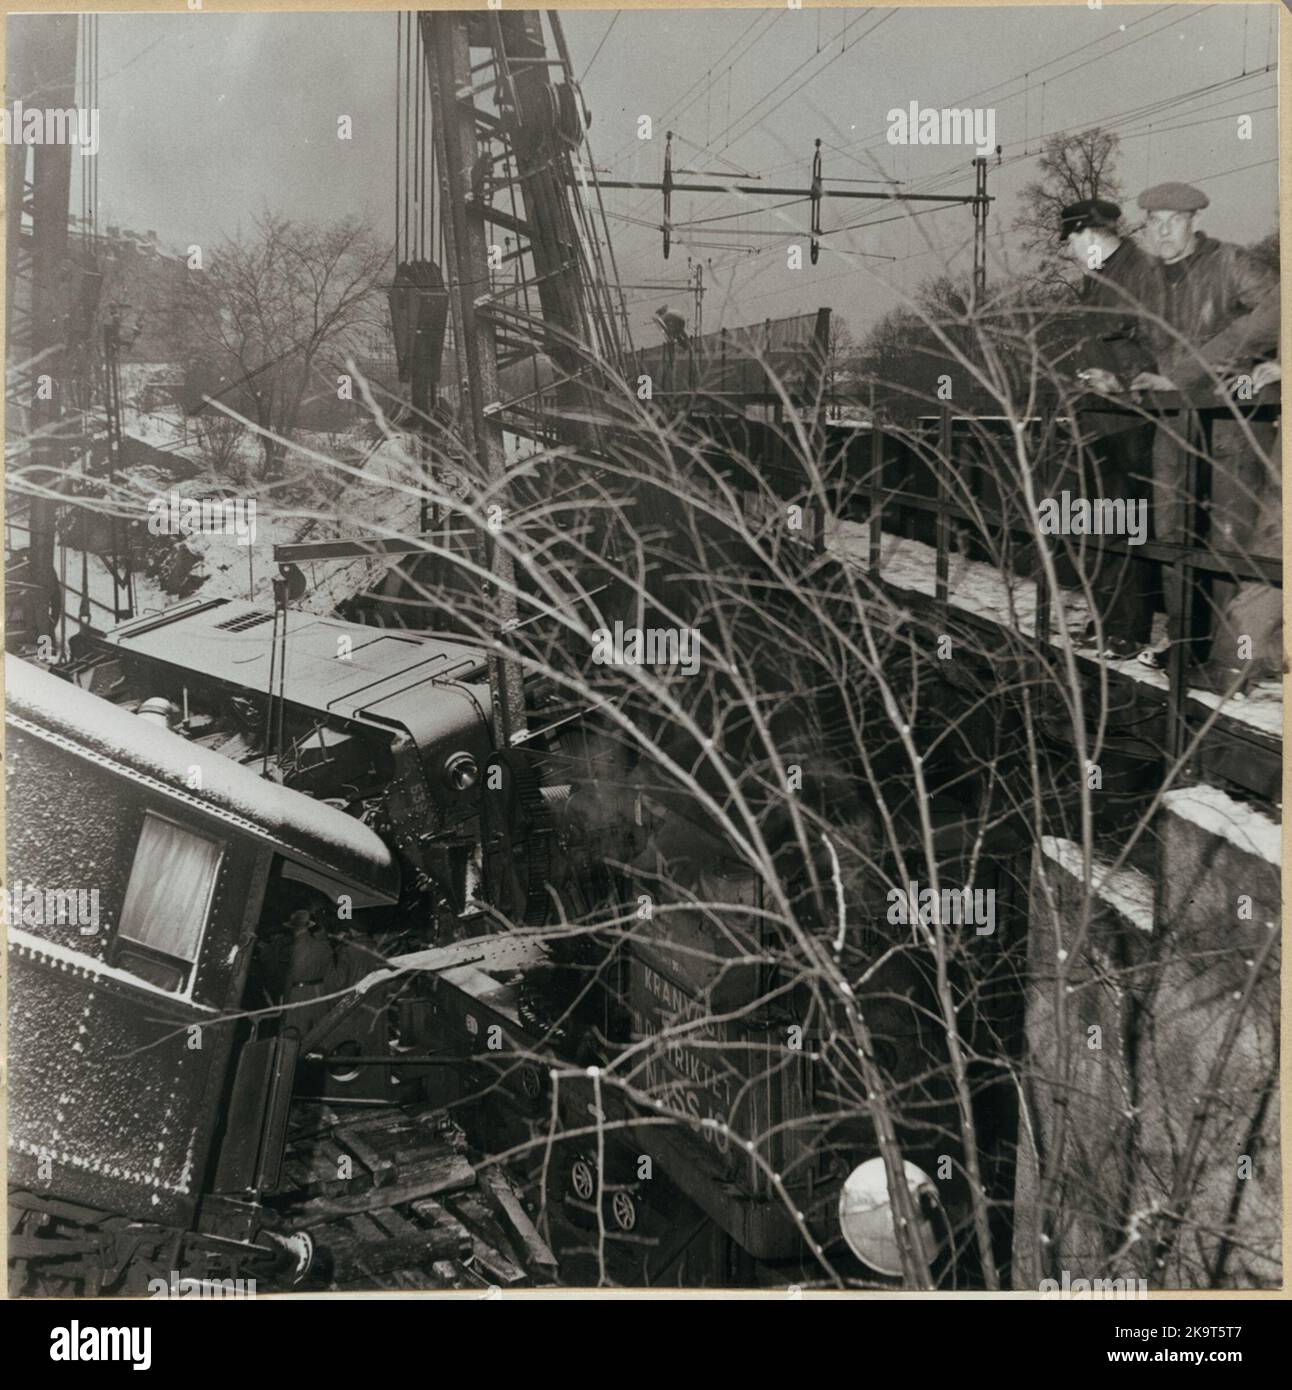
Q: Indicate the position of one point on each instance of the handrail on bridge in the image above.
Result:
(1186, 563)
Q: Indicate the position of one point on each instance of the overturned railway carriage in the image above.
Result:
(145, 1115)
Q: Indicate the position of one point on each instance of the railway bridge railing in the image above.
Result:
(932, 485)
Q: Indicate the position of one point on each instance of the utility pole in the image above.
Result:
(695, 281)
(697, 293)
(981, 206)
(115, 337)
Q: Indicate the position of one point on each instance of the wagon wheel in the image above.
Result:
(583, 1180)
(623, 1209)
(621, 1206)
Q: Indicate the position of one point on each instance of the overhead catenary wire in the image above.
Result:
(795, 90)
(1204, 104)
(996, 236)
(853, 155)
(880, 134)
(1108, 121)
(742, 116)
(674, 113)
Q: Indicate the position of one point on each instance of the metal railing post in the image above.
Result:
(875, 539)
(941, 585)
(1183, 581)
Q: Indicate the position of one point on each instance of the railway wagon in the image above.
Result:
(712, 1107)
(146, 1112)
(718, 1114)
(399, 731)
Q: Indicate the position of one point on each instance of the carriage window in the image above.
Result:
(167, 901)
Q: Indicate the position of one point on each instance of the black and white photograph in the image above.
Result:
(643, 655)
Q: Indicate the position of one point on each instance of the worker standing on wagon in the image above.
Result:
(674, 328)
(673, 325)
(1219, 335)
(1121, 283)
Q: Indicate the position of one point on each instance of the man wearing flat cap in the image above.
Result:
(1219, 330)
(1120, 282)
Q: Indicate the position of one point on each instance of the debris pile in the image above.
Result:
(392, 1201)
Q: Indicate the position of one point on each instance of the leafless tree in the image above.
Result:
(1072, 168)
(221, 437)
(272, 311)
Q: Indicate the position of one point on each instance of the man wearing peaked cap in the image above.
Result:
(1115, 457)
(1091, 212)
(1219, 328)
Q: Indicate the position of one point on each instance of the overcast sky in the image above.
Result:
(208, 118)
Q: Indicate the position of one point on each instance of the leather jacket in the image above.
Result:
(1223, 305)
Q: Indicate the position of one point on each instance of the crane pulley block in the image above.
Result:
(419, 311)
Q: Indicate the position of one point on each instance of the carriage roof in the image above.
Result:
(321, 840)
(385, 678)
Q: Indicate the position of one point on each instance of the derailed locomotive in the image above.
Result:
(236, 770)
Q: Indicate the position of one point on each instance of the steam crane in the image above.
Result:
(504, 129)
(511, 149)
(525, 281)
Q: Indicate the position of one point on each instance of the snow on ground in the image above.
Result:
(1007, 599)
(149, 598)
(381, 497)
(163, 429)
(1217, 812)
(1126, 890)
(972, 585)
(318, 501)
(1261, 706)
